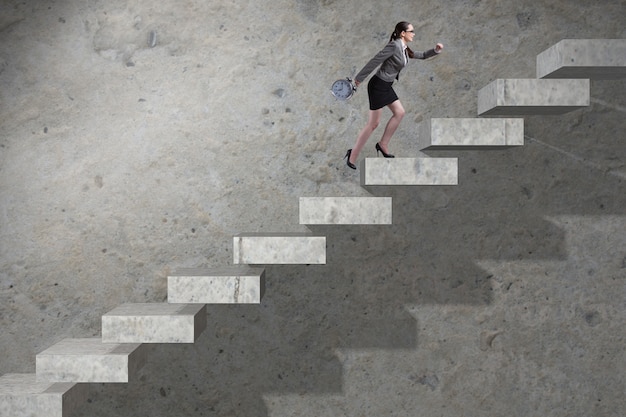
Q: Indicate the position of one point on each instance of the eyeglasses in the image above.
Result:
(412, 31)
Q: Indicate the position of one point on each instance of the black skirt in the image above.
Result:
(380, 93)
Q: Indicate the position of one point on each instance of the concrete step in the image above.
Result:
(599, 59)
(90, 360)
(154, 323)
(409, 171)
(279, 248)
(345, 210)
(470, 133)
(22, 396)
(229, 285)
(518, 97)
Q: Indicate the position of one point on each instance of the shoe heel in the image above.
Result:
(386, 155)
(347, 158)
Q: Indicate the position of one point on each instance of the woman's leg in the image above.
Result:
(398, 113)
(372, 124)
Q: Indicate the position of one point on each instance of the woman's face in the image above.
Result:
(408, 34)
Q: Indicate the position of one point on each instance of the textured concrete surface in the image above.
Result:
(529, 96)
(226, 285)
(121, 162)
(279, 248)
(587, 58)
(345, 210)
(89, 360)
(471, 133)
(409, 171)
(21, 395)
(154, 323)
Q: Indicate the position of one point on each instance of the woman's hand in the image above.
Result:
(438, 47)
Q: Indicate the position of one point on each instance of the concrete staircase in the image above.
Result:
(57, 387)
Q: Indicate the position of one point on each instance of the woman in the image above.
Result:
(391, 59)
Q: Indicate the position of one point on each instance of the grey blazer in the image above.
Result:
(391, 60)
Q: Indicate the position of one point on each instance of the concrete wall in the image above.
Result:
(138, 137)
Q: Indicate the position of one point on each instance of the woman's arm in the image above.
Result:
(378, 59)
(428, 54)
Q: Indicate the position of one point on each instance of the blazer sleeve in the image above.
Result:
(424, 55)
(378, 59)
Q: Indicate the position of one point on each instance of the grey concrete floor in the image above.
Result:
(122, 160)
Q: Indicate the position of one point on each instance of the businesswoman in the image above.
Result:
(391, 59)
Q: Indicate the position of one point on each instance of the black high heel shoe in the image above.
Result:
(386, 155)
(347, 157)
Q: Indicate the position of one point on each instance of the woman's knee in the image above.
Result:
(373, 121)
(397, 110)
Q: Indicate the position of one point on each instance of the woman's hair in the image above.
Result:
(401, 27)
